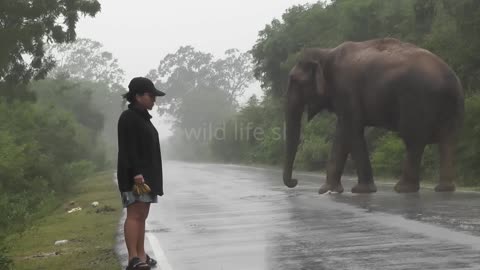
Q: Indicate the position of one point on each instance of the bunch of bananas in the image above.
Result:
(140, 189)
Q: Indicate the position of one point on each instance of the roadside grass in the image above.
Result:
(90, 232)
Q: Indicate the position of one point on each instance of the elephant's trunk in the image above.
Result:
(293, 118)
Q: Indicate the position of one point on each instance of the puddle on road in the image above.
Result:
(158, 230)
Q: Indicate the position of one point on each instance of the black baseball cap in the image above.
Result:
(140, 85)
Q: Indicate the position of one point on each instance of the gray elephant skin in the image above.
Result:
(382, 83)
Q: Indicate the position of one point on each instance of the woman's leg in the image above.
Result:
(134, 228)
(141, 239)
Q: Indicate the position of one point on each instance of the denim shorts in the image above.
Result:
(129, 198)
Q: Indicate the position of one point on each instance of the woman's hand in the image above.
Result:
(139, 179)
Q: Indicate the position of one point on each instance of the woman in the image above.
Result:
(139, 161)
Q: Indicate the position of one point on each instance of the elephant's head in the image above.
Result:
(306, 90)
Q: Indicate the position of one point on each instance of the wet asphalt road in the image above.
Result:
(229, 217)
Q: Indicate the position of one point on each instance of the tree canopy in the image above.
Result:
(448, 28)
(86, 59)
(195, 82)
(26, 26)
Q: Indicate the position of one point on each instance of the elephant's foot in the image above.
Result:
(364, 188)
(291, 183)
(329, 187)
(445, 187)
(406, 187)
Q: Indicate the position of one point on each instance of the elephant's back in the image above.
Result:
(399, 78)
(393, 60)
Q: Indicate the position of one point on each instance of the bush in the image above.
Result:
(388, 156)
(5, 262)
(317, 136)
(270, 149)
(468, 154)
(74, 171)
(43, 151)
(13, 161)
(313, 153)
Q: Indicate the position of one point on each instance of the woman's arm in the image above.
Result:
(128, 144)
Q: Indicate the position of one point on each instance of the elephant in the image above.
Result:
(385, 83)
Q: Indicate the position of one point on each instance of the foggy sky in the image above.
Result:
(140, 33)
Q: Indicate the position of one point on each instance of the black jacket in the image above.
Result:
(138, 150)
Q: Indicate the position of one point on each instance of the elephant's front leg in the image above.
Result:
(336, 161)
(362, 162)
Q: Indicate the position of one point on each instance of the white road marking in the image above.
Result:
(158, 251)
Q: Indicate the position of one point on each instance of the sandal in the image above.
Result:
(136, 264)
(150, 261)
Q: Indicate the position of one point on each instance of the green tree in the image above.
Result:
(75, 97)
(94, 75)
(201, 95)
(93, 105)
(86, 59)
(463, 40)
(39, 148)
(277, 44)
(25, 27)
(233, 74)
(188, 70)
(179, 73)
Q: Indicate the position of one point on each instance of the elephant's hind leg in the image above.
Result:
(446, 150)
(410, 180)
(364, 168)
